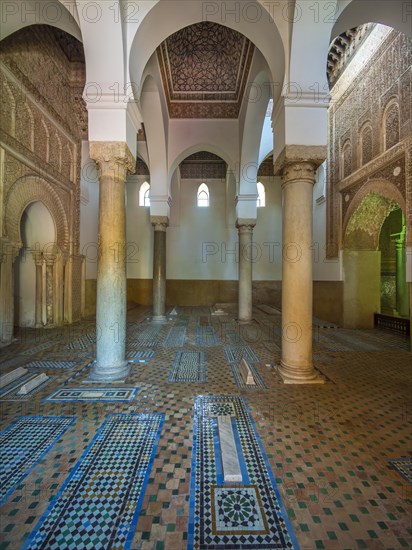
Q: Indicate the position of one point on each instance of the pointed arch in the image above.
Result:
(31, 189)
(144, 194)
(346, 159)
(203, 196)
(365, 143)
(390, 124)
(261, 199)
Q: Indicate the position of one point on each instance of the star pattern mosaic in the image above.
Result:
(237, 510)
(219, 514)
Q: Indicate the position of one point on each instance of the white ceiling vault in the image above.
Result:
(200, 76)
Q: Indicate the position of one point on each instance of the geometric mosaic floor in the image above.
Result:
(93, 394)
(403, 466)
(327, 445)
(23, 444)
(98, 505)
(240, 382)
(188, 366)
(247, 514)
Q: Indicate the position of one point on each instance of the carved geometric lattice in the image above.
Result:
(205, 62)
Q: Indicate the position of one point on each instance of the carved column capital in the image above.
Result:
(38, 258)
(113, 158)
(50, 259)
(245, 225)
(299, 162)
(303, 171)
(160, 223)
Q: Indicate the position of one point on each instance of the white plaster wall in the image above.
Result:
(267, 234)
(38, 234)
(204, 243)
(89, 212)
(139, 232)
(323, 269)
(198, 247)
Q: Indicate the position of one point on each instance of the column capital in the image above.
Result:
(50, 260)
(299, 161)
(113, 158)
(159, 223)
(245, 224)
(38, 258)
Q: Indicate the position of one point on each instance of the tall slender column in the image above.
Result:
(245, 229)
(159, 267)
(50, 313)
(402, 289)
(114, 160)
(8, 254)
(38, 260)
(298, 178)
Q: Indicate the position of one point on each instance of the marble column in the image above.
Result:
(298, 178)
(113, 159)
(402, 290)
(160, 224)
(38, 261)
(245, 229)
(50, 313)
(8, 254)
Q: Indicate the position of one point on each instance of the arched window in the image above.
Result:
(346, 160)
(391, 125)
(366, 151)
(144, 194)
(261, 200)
(203, 195)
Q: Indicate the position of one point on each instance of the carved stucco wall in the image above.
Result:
(42, 122)
(365, 223)
(370, 141)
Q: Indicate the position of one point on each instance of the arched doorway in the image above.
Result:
(33, 271)
(374, 260)
(394, 288)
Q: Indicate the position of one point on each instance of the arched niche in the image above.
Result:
(38, 237)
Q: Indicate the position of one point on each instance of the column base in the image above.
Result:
(245, 321)
(159, 318)
(299, 375)
(119, 373)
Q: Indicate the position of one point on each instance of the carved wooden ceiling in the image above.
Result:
(204, 69)
(343, 48)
